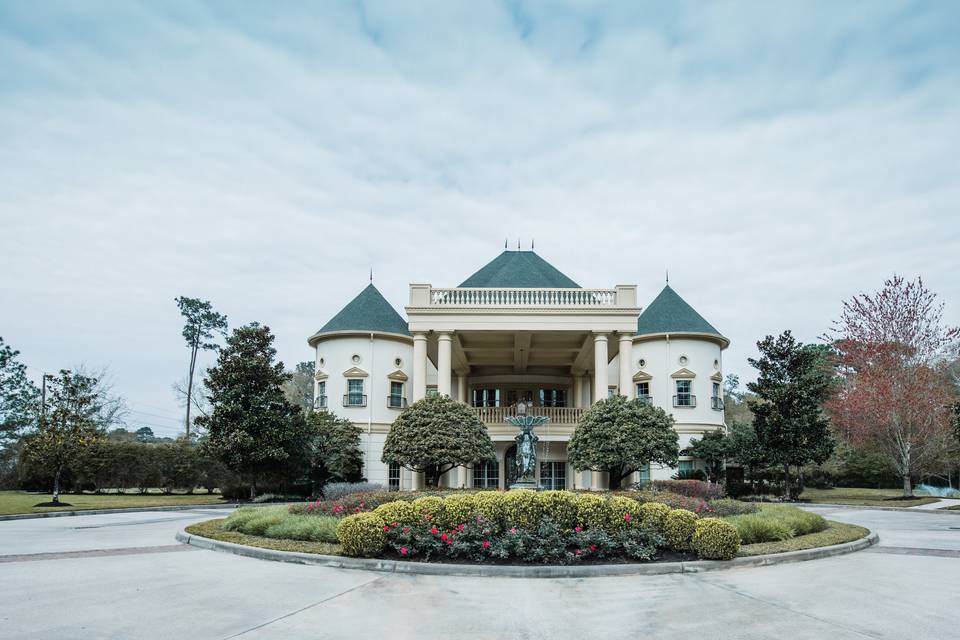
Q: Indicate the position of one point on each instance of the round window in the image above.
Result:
(322, 362)
(355, 358)
(716, 364)
(683, 360)
(641, 363)
(397, 362)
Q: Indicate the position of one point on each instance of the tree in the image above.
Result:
(713, 448)
(299, 389)
(335, 454)
(736, 401)
(893, 352)
(18, 396)
(252, 428)
(744, 447)
(144, 434)
(619, 435)
(793, 382)
(201, 324)
(436, 434)
(72, 423)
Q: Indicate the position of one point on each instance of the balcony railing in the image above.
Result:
(396, 402)
(320, 402)
(647, 398)
(685, 400)
(354, 400)
(502, 297)
(557, 415)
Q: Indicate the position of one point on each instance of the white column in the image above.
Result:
(419, 366)
(578, 391)
(462, 388)
(626, 365)
(598, 480)
(444, 364)
(600, 361)
(468, 476)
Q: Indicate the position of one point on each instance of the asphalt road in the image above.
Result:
(124, 576)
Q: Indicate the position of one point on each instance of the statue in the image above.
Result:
(526, 460)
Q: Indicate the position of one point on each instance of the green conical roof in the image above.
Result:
(669, 313)
(369, 311)
(519, 269)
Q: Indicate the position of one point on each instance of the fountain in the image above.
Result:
(526, 460)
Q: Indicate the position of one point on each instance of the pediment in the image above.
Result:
(642, 376)
(355, 372)
(683, 373)
(398, 376)
(717, 377)
(320, 375)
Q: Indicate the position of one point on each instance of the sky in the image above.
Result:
(776, 157)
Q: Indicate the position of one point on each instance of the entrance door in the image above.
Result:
(510, 465)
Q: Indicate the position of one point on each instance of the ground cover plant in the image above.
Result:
(773, 523)
(278, 523)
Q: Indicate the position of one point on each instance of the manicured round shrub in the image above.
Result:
(521, 508)
(678, 528)
(591, 511)
(429, 506)
(559, 506)
(653, 515)
(715, 539)
(457, 509)
(362, 535)
(490, 506)
(621, 512)
(400, 511)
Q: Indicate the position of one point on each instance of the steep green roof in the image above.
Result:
(669, 313)
(369, 311)
(519, 269)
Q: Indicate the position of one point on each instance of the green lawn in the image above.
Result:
(214, 529)
(835, 533)
(864, 497)
(12, 502)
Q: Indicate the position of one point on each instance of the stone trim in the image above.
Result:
(683, 374)
(355, 372)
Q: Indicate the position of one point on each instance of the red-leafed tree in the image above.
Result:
(892, 350)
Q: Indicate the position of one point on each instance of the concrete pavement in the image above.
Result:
(118, 576)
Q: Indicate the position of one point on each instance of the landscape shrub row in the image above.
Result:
(547, 526)
(689, 488)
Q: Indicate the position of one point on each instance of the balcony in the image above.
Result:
(556, 415)
(716, 402)
(645, 398)
(320, 402)
(684, 401)
(354, 400)
(467, 297)
(396, 402)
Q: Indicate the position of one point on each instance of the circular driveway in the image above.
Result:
(124, 576)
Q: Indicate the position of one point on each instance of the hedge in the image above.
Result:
(715, 539)
(362, 535)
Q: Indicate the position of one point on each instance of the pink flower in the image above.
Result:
(406, 529)
(433, 530)
(579, 552)
(578, 528)
(627, 517)
(444, 537)
(460, 527)
(593, 547)
(513, 531)
(403, 551)
(386, 527)
(486, 544)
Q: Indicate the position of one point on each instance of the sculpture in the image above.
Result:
(526, 440)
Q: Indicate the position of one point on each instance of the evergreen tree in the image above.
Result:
(18, 396)
(252, 428)
(793, 382)
(335, 454)
(299, 388)
(202, 322)
(713, 448)
(620, 435)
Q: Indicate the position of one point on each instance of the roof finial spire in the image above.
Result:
(371, 275)
(518, 244)
(532, 241)
(668, 277)
(504, 243)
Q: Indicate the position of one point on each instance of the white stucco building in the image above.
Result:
(518, 330)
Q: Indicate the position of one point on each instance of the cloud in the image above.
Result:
(777, 158)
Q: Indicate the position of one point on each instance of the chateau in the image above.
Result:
(518, 331)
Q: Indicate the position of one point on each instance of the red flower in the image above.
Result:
(403, 551)
(486, 544)
(406, 529)
(460, 527)
(578, 528)
(433, 530)
(627, 517)
(444, 537)
(579, 552)
(386, 527)
(593, 547)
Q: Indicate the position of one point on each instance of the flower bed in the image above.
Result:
(548, 527)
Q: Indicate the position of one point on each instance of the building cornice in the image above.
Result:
(720, 340)
(319, 337)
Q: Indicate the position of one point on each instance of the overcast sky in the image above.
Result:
(776, 157)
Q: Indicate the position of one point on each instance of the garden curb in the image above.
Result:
(860, 507)
(506, 571)
(100, 512)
